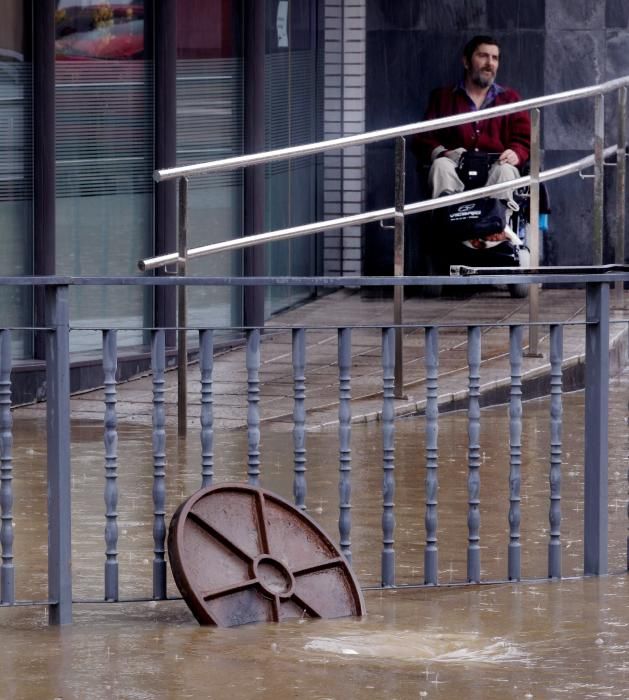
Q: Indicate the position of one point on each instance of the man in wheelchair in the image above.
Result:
(487, 151)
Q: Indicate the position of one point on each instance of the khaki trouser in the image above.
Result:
(443, 177)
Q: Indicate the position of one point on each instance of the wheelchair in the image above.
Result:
(445, 245)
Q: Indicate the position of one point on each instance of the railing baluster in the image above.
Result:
(473, 480)
(59, 470)
(388, 455)
(554, 516)
(7, 572)
(158, 365)
(206, 366)
(596, 519)
(299, 417)
(110, 365)
(431, 552)
(345, 453)
(515, 451)
(253, 408)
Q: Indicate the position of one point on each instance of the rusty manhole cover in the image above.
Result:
(241, 554)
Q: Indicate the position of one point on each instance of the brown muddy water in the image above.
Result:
(531, 640)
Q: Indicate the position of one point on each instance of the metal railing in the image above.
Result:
(58, 327)
(401, 210)
(244, 161)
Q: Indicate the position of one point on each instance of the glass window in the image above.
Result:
(209, 127)
(292, 118)
(104, 151)
(15, 172)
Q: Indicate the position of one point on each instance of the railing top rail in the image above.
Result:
(565, 275)
(383, 134)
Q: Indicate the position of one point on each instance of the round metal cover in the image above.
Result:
(241, 554)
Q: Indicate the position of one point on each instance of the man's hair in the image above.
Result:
(475, 42)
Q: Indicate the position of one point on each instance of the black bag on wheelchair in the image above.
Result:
(473, 168)
(475, 219)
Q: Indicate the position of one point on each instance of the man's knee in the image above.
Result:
(443, 177)
(502, 172)
(442, 166)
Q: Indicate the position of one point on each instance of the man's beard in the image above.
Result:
(482, 79)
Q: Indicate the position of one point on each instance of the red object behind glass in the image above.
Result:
(207, 29)
(107, 31)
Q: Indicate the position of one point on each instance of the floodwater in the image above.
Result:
(539, 639)
(547, 640)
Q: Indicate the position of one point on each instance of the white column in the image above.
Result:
(344, 115)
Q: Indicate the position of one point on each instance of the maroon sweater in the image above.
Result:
(490, 135)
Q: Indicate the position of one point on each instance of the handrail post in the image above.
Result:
(596, 428)
(58, 457)
(533, 241)
(599, 179)
(7, 569)
(182, 345)
(398, 263)
(621, 191)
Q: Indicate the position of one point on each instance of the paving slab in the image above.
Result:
(322, 317)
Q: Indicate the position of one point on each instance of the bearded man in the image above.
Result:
(509, 136)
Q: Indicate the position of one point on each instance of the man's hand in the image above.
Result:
(510, 157)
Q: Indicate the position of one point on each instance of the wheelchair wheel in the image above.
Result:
(521, 291)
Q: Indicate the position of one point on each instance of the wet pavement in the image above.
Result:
(276, 377)
(537, 639)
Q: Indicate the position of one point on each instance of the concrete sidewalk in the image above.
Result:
(134, 398)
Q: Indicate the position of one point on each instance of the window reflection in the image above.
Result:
(292, 117)
(208, 29)
(12, 31)
(101, 30)
(209, 125)
(104, 140)
(16, 256)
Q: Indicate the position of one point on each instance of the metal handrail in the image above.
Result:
(401, 210)
(389, 133)
(367, 217)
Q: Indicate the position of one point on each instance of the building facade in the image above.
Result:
(95, 95)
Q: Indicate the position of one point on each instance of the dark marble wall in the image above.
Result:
(587, 41)
(547, 46)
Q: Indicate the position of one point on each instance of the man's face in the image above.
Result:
(482, 67)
